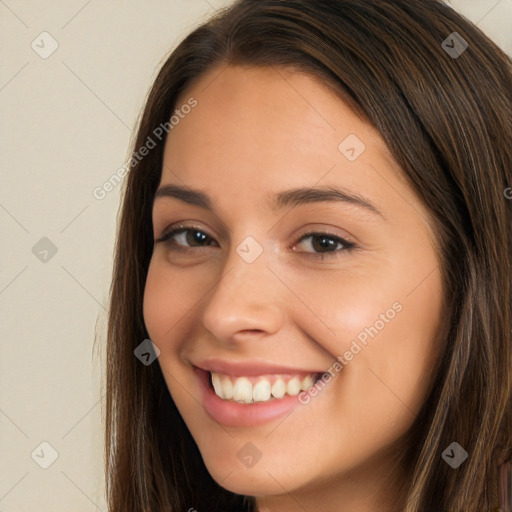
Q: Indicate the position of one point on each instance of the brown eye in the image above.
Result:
(186, 237)
(324, 244)
(195, 238)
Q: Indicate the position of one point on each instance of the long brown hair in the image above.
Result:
(447, 119)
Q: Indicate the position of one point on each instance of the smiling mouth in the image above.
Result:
(263, 388)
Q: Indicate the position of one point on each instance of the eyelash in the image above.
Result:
(346, 245)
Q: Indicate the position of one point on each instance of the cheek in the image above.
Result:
(340, 308)
(170, 294)
(385, 326)
(390, 308)
(158, 304)
(169, 297)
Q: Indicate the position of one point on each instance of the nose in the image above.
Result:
(247, 301)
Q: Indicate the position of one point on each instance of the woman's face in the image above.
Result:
(305, 251)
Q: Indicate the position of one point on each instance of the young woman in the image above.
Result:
(316, 236)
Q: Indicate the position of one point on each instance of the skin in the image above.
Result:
(253, 133)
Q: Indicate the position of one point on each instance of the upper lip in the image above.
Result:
(249, 368)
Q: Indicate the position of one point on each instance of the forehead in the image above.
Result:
(267, 121)
(257, 131)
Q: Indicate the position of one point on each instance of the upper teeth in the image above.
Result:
(259, 389)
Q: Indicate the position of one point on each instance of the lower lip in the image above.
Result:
(235, 414)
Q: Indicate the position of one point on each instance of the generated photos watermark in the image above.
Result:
(372, 331)
(159, 133)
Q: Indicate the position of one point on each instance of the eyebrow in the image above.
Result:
(298, 196)
(286, 198)
(186, 194)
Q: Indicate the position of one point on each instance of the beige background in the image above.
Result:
(66, 124)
